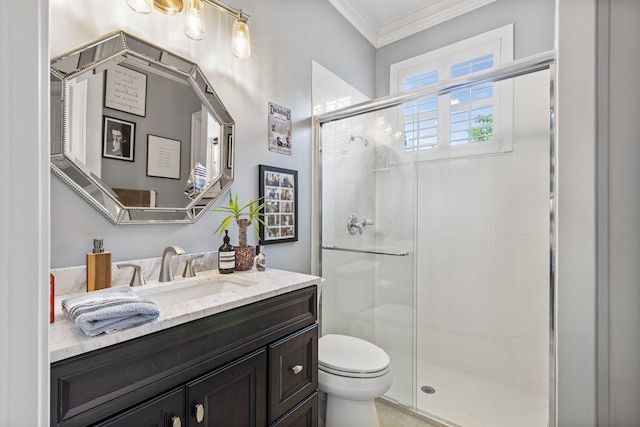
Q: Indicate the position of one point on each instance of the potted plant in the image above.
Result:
(245, 216)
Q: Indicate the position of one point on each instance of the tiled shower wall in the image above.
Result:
(483, 254)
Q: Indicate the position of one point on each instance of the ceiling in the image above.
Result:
(386, 21)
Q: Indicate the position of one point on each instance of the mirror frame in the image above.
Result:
(91, 57)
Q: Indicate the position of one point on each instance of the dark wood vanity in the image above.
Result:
(255, 365)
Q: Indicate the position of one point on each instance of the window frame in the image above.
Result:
(498, 42)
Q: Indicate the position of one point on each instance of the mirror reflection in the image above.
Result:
(138, 131)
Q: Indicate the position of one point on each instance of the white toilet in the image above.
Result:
(352, 372)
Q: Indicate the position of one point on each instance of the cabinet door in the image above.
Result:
(304, 415)
(164, 411)
(293, 370)
(232, 396)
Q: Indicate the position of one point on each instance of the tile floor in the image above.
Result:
(470, 401)
(391, 415)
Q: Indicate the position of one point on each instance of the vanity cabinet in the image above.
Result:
(235, 395)
(254, 365)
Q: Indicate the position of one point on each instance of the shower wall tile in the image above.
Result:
(481, 184)
(483, 240)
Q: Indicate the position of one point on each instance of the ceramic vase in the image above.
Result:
(245, 257)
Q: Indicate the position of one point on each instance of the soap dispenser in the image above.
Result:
(98, 267)
(226, 256)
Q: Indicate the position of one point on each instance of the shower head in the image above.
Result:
(364, 140)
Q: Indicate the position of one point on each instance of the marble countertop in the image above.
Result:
(66, 339)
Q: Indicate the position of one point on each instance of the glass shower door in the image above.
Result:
(368, 245)
(443, 260)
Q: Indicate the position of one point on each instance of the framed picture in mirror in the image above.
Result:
(163, 157)
(118, 139)
(278, 188)
(126, 90)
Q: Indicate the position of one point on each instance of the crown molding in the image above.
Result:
(383, 33)
(360, 18)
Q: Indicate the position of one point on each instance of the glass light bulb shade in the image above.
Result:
(194, 26)
(141, 6)
(240, 40)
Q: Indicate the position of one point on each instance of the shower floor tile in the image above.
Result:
(470, 401)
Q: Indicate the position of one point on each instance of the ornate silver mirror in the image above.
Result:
(138, 131)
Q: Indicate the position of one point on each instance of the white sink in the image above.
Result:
(174, 293)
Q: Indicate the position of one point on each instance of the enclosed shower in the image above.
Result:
(444, 261)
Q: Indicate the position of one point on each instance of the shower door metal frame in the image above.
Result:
(520, 67)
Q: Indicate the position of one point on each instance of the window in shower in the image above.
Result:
(469, 120)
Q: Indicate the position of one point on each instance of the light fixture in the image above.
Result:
(240, 38)
(194, 19)
(194, 22)
(170, 7)
(141, 6)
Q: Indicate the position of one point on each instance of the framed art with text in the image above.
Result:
(126, 90)
(163, 157)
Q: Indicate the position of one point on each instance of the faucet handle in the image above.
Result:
(136, 279)
(353, 225)
(188, 266)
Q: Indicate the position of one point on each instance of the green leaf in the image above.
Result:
(248, 211)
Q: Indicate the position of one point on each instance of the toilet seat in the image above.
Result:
(348, 374)
(351, 357)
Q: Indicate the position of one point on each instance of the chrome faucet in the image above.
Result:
(166, 270)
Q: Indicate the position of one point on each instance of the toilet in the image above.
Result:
(352, 372)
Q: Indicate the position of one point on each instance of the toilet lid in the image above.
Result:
(350, 354)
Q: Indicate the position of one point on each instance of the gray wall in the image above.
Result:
(286, 36)
(623, 211)
(576, 216)
(533, 33)
(24, 216)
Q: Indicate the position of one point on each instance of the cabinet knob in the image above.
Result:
(176, 422)
(296, 369)
(198, 409)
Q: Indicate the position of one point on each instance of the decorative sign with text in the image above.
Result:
(126, 90)
(279, 129)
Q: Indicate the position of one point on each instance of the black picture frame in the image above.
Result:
(127, 130)
(278, 187)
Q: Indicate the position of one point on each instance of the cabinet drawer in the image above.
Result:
(293, 372)
(304, 415)
(164, 411)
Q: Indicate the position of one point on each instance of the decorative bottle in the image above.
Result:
(261, 262)
(226, 256)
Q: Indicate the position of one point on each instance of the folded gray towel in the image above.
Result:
(108, 310)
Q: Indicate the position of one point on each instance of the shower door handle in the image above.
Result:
(363, 251)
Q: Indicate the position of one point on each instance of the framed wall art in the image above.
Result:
(279, 187)
(279, 129)
(163, 157)
(118, 139)
(126, 90)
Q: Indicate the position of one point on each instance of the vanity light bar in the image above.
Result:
(223, 7)
(194, 23)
